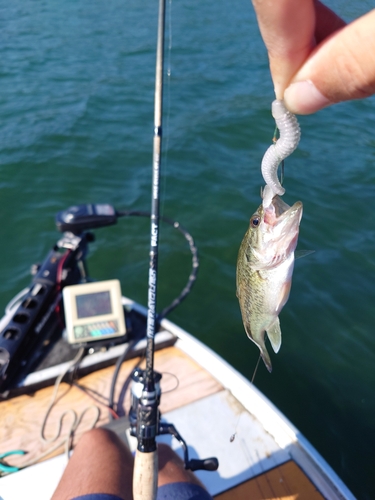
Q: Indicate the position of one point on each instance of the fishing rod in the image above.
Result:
(147, 412)
(144, 414)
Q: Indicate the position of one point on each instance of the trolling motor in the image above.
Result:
(38, 321)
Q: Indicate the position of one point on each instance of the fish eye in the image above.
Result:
(255, 221)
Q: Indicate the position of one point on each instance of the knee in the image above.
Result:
(166, 454)
(106, 444)
(97, 435)
(97, 439)
(172, 468)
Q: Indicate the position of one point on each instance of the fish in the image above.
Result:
(264, 270)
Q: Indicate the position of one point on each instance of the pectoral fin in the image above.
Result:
(274, 335)
(299, 254)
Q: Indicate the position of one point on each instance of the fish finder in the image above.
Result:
(93, 311)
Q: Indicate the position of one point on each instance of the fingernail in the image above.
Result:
(304, 98)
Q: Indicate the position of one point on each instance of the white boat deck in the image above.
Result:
(252, 452)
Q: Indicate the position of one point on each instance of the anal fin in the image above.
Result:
(274, 335)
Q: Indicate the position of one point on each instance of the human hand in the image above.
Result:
(315, 58)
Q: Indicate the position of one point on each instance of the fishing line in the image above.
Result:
(255, 370)
(276, 135)
(233, 436)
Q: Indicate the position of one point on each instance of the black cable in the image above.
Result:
(120, 360)
(193, 249)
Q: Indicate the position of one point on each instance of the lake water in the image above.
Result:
(76, 107)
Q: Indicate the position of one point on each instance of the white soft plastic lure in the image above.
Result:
(290, 134)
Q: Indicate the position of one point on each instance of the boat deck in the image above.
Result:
(21, 417)
(252, 465)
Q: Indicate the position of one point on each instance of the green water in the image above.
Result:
(76, 107)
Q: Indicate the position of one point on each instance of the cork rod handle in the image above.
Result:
(145, 475)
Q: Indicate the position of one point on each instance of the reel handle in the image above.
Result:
(210, 464)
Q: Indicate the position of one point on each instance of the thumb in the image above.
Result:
(341, 68)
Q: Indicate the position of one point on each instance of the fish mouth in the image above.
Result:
(283, 219)
(284, 210)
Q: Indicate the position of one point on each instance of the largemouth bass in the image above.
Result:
(264, 270)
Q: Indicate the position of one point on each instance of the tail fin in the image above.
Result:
(266, 358)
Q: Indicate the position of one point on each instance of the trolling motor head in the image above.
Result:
(80, 218)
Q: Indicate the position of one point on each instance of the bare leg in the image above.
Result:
(101, 463)
(172, 468)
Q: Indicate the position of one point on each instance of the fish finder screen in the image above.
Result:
(93, 304)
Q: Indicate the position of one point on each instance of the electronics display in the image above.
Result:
(93, 311)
